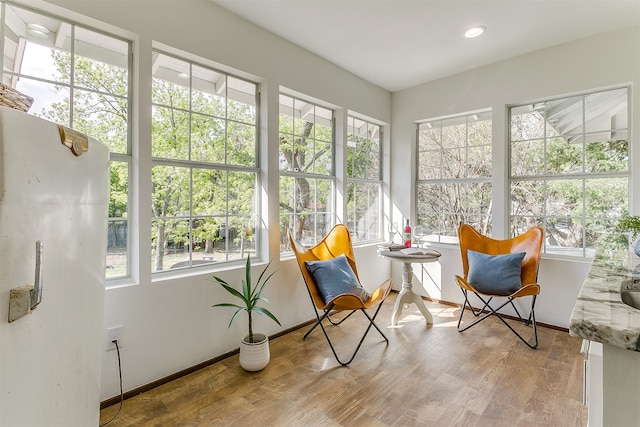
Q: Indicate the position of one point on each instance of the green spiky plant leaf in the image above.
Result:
(249, 296)
(629, 223)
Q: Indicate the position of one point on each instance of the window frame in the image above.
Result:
(352, 214)
(444, 234)
(584, 176)
(224, 166)
(320, 228)
(72, 86)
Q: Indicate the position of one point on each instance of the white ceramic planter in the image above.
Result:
(254, 356)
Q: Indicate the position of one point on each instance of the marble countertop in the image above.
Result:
(599, 314)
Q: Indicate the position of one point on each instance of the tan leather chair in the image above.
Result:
(333, 245)
(530, 243)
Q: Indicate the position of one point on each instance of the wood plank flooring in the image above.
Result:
(426, 376)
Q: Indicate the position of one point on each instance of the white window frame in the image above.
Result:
(445, 230)
(607, 222)
(253, 219)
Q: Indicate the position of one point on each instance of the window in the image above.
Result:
(364, 180)
(80, 78)
(306, 170)
(204, 165)
(454, 175)
(570, 170)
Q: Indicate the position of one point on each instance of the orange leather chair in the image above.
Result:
(333, 245)
(529, 243)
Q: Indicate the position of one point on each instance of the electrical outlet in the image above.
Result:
(111, 334)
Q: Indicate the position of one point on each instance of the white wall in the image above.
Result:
(603, 61)
(169, 324)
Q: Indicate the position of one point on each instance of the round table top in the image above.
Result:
(417, 257)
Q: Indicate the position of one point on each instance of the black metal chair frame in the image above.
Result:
(326, 315)
(495, 312)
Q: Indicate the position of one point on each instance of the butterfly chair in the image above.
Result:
(329, 271)
(500, 269)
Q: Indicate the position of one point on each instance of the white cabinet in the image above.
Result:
(613, 386)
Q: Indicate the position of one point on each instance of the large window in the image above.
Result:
(454, 175)
(204, 165)
(364, 179)
(80, 78)
(306, 170)
(570, 170)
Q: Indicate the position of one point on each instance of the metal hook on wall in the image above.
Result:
(23, 299)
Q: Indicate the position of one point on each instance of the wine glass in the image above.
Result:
(392, 228)
(418, 232)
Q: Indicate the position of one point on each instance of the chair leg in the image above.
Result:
(494, 312)
(333, 350)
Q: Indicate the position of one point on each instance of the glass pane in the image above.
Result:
(209, 192)
(50, 101)
(241, 198)
(117, 242)
(170, 195)
(429, 137)
(563, 157)
(170, 244)
(119, 189)
(170, 133)
(207, 139)
(527, 122)
(527, 158)
(564, 234)
(478, 198)
(286, 159)
(102, 117)
(170, 85)
(242, 100)
(478, 162)
(323, 158)
(453, 163)
(606, 110)
(365, 209)
(480, 129)
(208, 240)
(170, 94)
(207, 91)
(241, 144)
(606, 197)
(565, 198)
(324, 125)
(564, 116)
(607, 155)
(429, 164)
(527, 198)
(45, 63)
(454, 132)
(101, 63)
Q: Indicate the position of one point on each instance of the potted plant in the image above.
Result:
(630, 223)
(254, 348)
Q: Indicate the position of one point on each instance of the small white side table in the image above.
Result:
(406, 295)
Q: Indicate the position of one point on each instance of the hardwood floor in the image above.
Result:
(426, 376)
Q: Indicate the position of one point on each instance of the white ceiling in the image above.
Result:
(396, 44)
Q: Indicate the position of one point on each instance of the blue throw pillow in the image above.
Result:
(336, 277)
(495, 274)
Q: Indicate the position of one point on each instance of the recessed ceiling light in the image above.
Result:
(183, 75)
(37, 30)
(474, 32)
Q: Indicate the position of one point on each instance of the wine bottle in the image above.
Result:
(406, 235)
